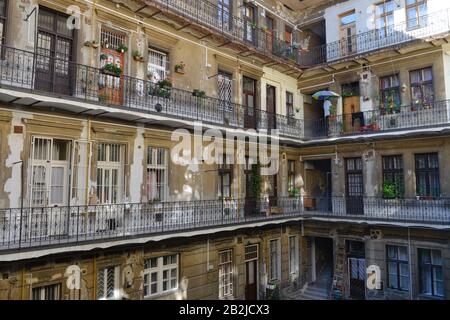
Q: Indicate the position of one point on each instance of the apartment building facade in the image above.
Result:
(94, 205)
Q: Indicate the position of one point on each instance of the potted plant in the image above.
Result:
(294, 192)
(389, 190)
(103, 98)
(112, 69)
(92, 44)
(103, 56)
(164, 88)
(333, 113)
(137, 56)
(198, 93)
(253, 25)
(179, 67)
(121, 48)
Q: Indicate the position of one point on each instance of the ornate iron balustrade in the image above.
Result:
(377, 39)
(369, 122)
(33, 72)
(64, 226)
(220, 20)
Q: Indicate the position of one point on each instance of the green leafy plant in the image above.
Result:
(103, 56)
(293, 191)
(111, 68)
(255, 181)
(137, 56)
(389, 190)
(103, 97)
(198, 93)
(121, 48)
(179, 67)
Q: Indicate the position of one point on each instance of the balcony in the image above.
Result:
(426, 27)
(223, 23)
(105, 93)
(377, 121)
(77, 225)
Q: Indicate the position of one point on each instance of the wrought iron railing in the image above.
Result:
(377, 39)
(37, 72)
(55, 226)
(220, 20)
(369, 122)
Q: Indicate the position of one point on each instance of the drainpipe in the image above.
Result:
(88, 160)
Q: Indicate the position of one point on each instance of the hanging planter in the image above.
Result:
(92, 44)
(179, 68)
(137, 56)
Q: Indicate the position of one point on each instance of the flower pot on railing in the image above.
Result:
(112, 70)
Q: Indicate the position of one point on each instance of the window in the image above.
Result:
(250, 24)
(416, 11)
(274, 260)
(225, 13)
(157, 174)
(393, 176)
(390, 93)
(422, 93)
(398, 267)
(251, 252)
(50, 292)
(225, 93)
(293, 254)
(225, 177)
(50, 171)
(384, 18)
(160, 275)
(291, 176)
(157, 67)
(3, 16)
(430, 272)
(109, 172)
(427, 175)
(225, 274)
(289, 104)
(108, 283)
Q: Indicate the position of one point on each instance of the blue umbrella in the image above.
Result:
(324, 95)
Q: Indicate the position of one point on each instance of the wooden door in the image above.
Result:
(351, 106)
(354, 186)
(250, 203)
(111, 85)
(251, 282)
(271, 107)
(273, 190)
(348, 33)
(249, 16)
(249, 100)
(270, 24)
(54, 53)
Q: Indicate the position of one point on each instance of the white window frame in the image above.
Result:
(116, 289)
(224, 276)
(153, 68)
(275, 274)
(48, 164)
(161, 167)
(106, 168)
(159, 269)
(293, 256)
